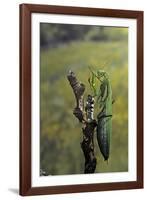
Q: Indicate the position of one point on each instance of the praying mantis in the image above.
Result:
(104, 117)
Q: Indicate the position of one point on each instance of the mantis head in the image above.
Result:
(99, 74)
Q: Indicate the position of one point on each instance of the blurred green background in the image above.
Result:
(64, 47)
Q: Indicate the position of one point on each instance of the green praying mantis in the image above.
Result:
(104, 117)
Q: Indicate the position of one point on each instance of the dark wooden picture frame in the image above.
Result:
(25, 99)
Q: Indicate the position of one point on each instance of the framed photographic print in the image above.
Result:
(81, 99)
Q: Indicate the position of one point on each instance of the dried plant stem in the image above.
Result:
(85, 116)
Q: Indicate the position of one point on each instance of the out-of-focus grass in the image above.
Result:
(61, 134)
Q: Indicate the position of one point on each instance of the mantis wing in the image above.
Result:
(104, 120)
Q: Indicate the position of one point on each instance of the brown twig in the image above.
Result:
(78, 89)
(85, 116)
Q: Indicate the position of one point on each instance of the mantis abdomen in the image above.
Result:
(103, 134)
